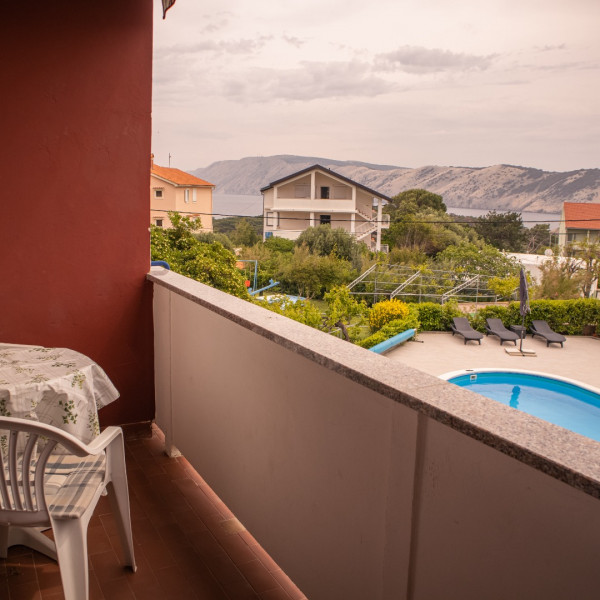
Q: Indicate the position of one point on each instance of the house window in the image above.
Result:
(158, 193)
(159, 222)
(325, 219)
(186, 196)
(194, 199)
(571, 237)
(325, 193)
(272, 219)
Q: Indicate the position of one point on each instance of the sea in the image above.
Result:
(228, 205)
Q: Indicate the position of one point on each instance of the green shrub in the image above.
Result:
(302, 311)
(437, 317)
(584, 311)
(411, 321)
(491, 312)
(386, 311)
(279, 244)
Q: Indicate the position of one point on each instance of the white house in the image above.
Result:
(318, 196)
(580, 222)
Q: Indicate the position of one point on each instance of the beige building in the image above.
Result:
(580, 222)
(318, 196)
(175, 190)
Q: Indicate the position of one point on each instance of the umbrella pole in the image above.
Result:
(522, 335)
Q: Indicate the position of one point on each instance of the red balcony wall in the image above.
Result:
(74, 176)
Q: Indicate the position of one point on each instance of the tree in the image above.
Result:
(560, 280)
(412, 201)
(426, 232)
(503, 287)
(208, 237)
(279, 244)
(420, 224)
(325, 241)
(227, 225)
(472, 258)
(270, 264)
(342, 309)
(585, 258)
(310, 275)
(537, 238)
(211, 264)
(504, 231)
(244, 234)
(407, 256)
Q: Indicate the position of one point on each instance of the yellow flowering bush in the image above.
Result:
(386, 311)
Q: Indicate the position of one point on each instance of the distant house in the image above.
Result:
(318, 196)
(580, 222)
(175, 190)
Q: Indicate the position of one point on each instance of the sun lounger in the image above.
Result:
(463, 327)
(542, 329)
(496, 327)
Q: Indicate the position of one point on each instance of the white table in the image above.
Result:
(56, 386)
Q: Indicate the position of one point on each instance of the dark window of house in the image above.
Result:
(325, 219)
(324, 192)
(159, 222)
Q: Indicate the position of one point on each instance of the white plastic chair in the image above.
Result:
(41, 487)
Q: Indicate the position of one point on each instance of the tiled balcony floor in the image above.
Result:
(188, 544)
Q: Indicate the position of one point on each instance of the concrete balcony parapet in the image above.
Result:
(365, 478)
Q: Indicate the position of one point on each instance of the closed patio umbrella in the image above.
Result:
(523, 302)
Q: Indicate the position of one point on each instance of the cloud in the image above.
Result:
(245, 46)
(224, 47)
(419, 60)
(216, 21)
(293, 41)
(551, 48)
(314, 80)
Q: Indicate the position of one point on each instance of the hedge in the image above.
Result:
(568, 317)
(564, 316)
(437, 317)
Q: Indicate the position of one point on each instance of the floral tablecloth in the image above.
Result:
(57, 386)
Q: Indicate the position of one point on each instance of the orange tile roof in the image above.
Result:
(178, 177)
(580, 215)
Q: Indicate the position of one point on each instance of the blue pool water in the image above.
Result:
(559, 402)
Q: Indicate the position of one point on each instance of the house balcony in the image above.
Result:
(313, 205)
(188, 544)
(362, 228)
(314, 468)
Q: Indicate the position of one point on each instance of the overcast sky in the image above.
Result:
(399, 82)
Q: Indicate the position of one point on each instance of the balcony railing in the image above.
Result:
(314, 204)
(364, 478)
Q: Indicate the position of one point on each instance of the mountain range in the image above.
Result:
(499, 187)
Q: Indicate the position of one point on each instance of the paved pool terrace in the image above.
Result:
(440, 352)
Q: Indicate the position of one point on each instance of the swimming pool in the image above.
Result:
(570, 404)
